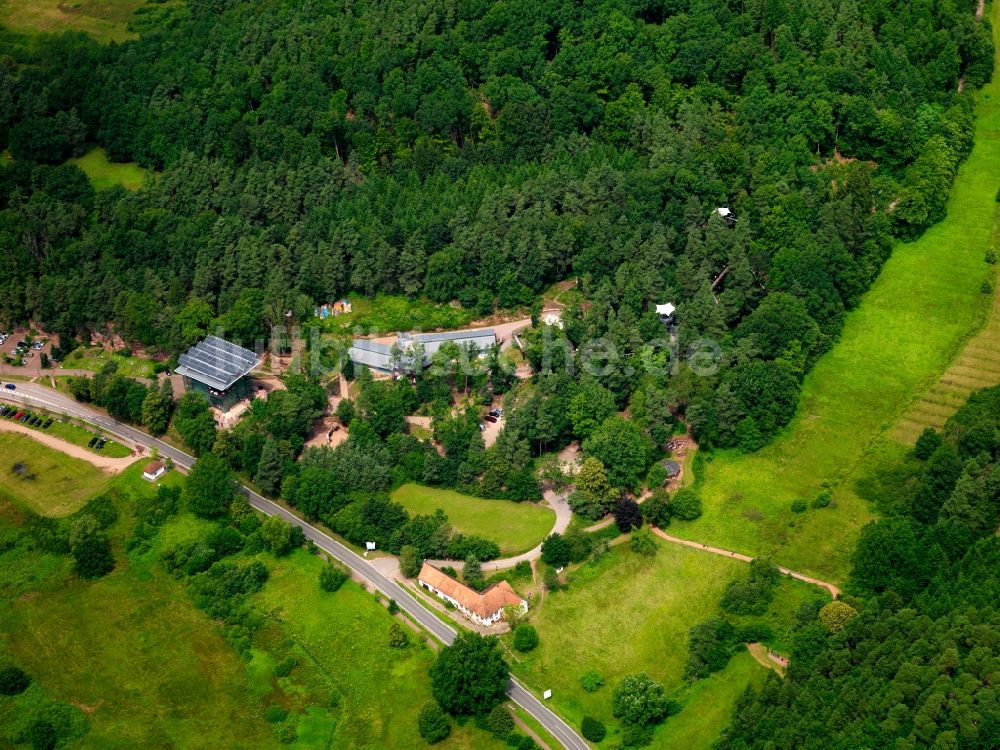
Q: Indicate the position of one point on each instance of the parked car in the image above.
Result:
(490, 418)
(9, 386)
(18, 415)
(25, 418)
(37, 345)
(48, 423)
(93, 442)
(482, 427)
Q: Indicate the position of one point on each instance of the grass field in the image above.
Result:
(922, 308)
(104, 174)
(95, 357)
(59, 484)
(625, 614)
(145, 667)
(105, 20)
(343, 637)
(708, 706)
(516, 527)
(77, 435)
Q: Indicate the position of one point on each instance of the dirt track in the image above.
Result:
(105, 463)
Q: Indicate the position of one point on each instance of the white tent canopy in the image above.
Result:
(667, 309)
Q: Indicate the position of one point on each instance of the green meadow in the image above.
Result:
(516, 527)
(926, 303)
(105, 20)
(45, 481)
(129, 661)
(104, 174)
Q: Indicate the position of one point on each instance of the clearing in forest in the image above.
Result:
(104, 174)
(899, 340)
(105, 20)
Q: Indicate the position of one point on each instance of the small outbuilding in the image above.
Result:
(727, 215)
(154, 471)
(673, 468)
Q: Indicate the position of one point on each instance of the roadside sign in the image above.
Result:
(547, 694)
(369, 546)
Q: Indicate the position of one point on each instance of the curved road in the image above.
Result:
(40, 396)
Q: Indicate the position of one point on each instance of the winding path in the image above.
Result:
(834, 590)
(37, 395)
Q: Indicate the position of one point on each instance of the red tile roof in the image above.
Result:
(485, 605)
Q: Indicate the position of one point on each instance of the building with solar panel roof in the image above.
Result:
(218, 369)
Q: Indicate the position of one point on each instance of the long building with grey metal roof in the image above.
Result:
(379, 357)
(218, 369)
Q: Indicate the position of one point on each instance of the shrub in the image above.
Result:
(332, 577)
(286, 734)
(657, 476)
(799, 505)
(525, 638)
(41, 735)
(636, 735)
(500, 722)
(643, 543)
(275, 714)
(685, 504)
(592, 729)
(433, 724)
(822, 500)
(591, 681)
(225, 540)
(836, 615)
(640, 700)
(397, 636)
(986, 287)
(13, 681)
(551, 580)
(284, 668)
(991, 254)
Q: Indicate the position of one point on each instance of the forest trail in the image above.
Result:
(834, 590)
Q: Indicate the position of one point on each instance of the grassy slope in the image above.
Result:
(61, 485)
(344, 637)
(104, 174)
(94, 358)
(130, 650)
(151, 670)
(516, 527)
(639, 625)
(923, 306)
(105, 20)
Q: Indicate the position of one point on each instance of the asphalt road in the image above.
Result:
(41, 396)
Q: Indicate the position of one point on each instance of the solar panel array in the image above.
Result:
(216, 362)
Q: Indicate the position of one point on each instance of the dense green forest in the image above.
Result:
(480, 151)
(918, 664)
